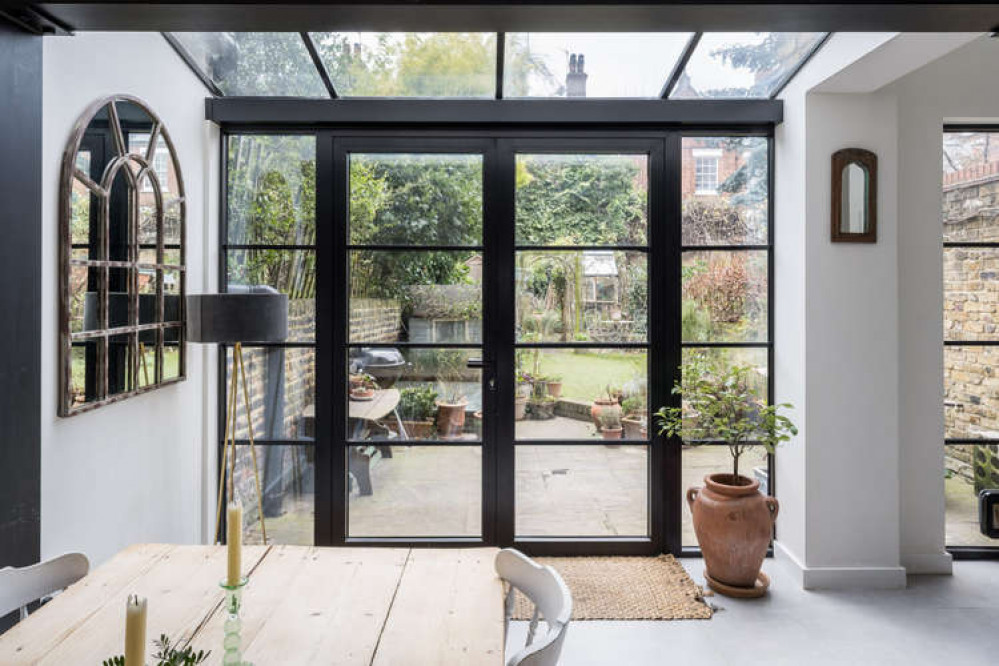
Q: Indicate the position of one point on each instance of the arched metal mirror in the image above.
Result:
(854, 196)
(122, 227)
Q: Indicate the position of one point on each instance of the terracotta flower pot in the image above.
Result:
(451, 418)
(733, 523)
(611, 433)
(601, 404)
(555, 389)
(520, 407)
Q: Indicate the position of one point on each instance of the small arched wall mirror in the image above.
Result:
(122, 222)
(854, 196)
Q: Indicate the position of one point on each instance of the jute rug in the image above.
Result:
(625, 588)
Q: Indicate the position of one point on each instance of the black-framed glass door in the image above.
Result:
(510, 280)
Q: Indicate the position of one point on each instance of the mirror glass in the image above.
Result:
(123, 219)
(853, 209)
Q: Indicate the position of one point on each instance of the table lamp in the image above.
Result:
(250, 314)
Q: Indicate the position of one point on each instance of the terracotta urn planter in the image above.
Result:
(733, 522)
(451, 418)
(600, 405)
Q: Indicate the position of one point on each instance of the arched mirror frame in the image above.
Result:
(169, 324)
(868, 161)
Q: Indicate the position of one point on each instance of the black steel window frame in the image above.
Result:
(497, 144)
(225, 248)
(971, 552)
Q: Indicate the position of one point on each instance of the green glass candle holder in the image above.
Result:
(232, 642)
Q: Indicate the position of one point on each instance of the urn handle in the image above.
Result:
(774, 507)
(692, 494)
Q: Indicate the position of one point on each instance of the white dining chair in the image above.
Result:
(552, 603)
(22, 585)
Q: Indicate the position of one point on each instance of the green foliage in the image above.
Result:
(722, 403)
(610, 419)
(167, 655)
(633, 405)
(418, 403)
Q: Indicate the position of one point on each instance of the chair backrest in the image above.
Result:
(552, 602)
(20, 586)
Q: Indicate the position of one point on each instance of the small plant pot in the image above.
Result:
(555, 389)
(612, 433)
(600, 406)
(520, 408)
(451, 419)
(633, 428)
(362, 394)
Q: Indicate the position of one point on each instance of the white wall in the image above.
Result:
(859, 327)
(958, 87)
(137, 470)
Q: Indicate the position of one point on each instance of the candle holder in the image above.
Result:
(233, 652)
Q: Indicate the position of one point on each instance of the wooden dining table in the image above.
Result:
(302, 605)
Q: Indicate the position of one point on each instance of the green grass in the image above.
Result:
(171, 361)
(586, 374)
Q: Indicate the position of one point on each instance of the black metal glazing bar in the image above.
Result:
(500, 64)
(793, 72)
(192, 65)
(681, 64)
(317, 60)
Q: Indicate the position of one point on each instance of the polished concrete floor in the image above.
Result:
(951, 620)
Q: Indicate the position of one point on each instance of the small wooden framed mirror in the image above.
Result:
(854, 196)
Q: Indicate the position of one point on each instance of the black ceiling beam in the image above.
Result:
(317, 60)
(447, 112)
(680, 65)
(530, 15)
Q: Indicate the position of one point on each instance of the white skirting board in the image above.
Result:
(929, 563)
(840, 578)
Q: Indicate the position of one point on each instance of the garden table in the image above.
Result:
(303, 605)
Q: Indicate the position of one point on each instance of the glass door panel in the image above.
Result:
(413, 391)
(581, 345)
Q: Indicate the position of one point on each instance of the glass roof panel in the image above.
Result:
(409, 64)
(614, 64)
(742, 64)
(274, 64)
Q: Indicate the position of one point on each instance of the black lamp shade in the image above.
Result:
(253, 316)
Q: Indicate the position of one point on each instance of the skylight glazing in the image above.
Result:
(743, 64)
(409, 64)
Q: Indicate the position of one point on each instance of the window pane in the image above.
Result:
(970, 195)
(725, 183)
(581, 491)
(539, 64)
(581, 394)
(715, 361)
(971, 392)
(743, 64)
(271, 190)
(83, 220)
(416, 199)
(255, 63)
(592, 295)
(971, 292)
(400, 394)
(287, 477)
(84, 305)
(701, 460)
(121, 363)
(415, 296)
(415, 491)
(409, 64)
(291, 272)
(173, 350)
(967, 471)
(724, 296)
(282, 388)
(582, 199)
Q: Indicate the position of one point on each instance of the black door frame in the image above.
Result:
(498, 143)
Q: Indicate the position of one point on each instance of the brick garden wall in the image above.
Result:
(971, 312)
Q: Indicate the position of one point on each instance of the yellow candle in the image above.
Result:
(135, 631)
(234, 541)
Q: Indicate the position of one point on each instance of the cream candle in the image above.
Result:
(135, 631)
(234, 541)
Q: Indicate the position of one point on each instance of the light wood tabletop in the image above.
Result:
(303, 605)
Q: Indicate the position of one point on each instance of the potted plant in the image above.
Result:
(542, 407)
(521, 395)
(610, 424)
(364, 388)
(555, 386)
(732, 519)
(417, 406)
(634, 419)
(451, 402)
(606, 402)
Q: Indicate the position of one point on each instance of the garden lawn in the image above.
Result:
(587, 374)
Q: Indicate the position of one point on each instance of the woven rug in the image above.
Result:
(625, 588)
